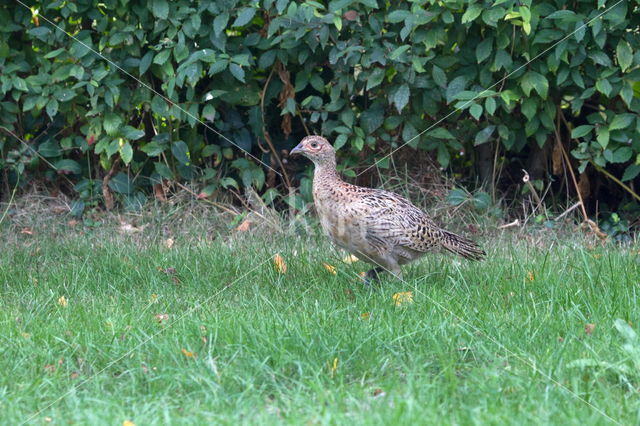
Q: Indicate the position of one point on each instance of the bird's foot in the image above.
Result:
(372, 275)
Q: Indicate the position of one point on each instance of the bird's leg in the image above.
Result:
(373, 274)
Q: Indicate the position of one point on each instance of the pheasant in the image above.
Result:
(377, 226)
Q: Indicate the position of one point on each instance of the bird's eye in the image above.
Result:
(314, 145)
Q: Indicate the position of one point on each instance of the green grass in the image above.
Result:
(481, 343)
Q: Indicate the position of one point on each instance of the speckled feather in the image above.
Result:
(378, 226)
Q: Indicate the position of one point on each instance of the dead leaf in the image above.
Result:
(334, 366)
(556, 159)
(161, 317)
(530, 276)
(349, 259)
(365, 316)
(27, 231)
(74, 375)
(26, 335)
(72, 222)
(168, 243)
(50, 368)
(244, 226)
(187, 353)
(589, 328)
(350, 15)
(128, 423)
(158, 192)
(330, 268)
(279, 264)
(127, 228)
(405, 297)
(378, 393)
(153, 298)
(560, 339)
(62, 301)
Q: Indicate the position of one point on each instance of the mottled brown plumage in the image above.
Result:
(378, 226)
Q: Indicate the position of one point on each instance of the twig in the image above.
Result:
(568, 162)
(106, 193)
(13, 194)
(509, 225)
(616, 180)
(539, 204)
(569, 210)
(267, 137)
(213, 203)
(306, 129)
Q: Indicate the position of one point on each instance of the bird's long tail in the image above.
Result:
(462, 246)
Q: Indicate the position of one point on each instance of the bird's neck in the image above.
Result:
(326, 172)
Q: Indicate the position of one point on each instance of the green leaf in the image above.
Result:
(121, 184)
(220, 23)
(581, 131)
(621, 121)
(153, 149)
(602, 136)
(600, 58)
(162, 57)
(180, 151)
(341, 140)
(443, 156)
(631, 172)
(49, 149)
(484, 135)
(52, 108)
(440, 133)
(624, 55)
(529, 108)
(160, 9)
(490, 105)
(68, 166)
(399, 51)
(536, 81)
(456, 197)
(456, 86)
(401, 97)
(476, 111)
(237, 71)
(112, 123)
(621, 155)
(375, 78)
(372, 119)
(145, 62)
(626, 93)
(163, 170)
(126, 152)
(131, 133)
(245, 15)
(439, 76)
(471, 13)
(398, 16)
(483, 49)
(604, 87)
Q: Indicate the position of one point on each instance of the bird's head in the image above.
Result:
(316, 149)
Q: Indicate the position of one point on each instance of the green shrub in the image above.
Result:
(370, 75)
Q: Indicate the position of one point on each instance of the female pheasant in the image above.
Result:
(377, 226)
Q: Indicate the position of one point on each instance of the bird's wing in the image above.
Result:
(392, 221)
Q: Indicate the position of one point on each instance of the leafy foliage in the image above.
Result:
(371, 75)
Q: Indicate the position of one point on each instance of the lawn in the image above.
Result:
(99, 328)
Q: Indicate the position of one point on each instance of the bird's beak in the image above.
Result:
(297, 150)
